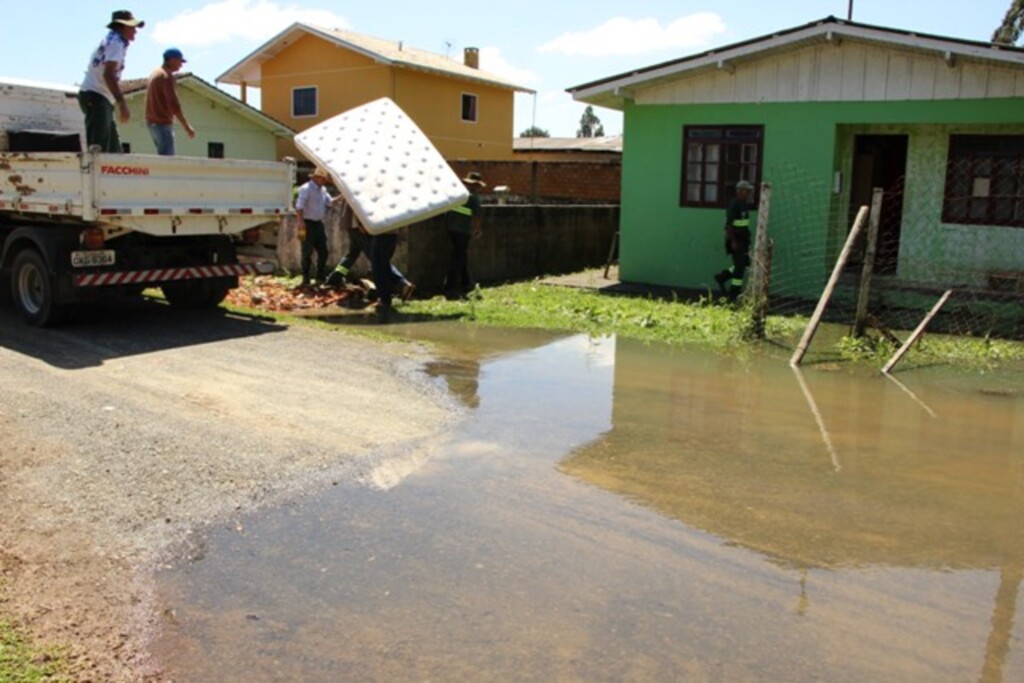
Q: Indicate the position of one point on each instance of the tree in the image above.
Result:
(535, 132)
(590, 125)
(1010, 30)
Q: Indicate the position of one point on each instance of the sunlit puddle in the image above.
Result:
(612, 511)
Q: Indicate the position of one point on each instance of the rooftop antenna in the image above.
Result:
(447, 48)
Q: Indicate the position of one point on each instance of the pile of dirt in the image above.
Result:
(267, 293)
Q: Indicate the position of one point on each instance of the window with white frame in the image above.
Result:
(715, 158)
(304, 101)
(469, 110)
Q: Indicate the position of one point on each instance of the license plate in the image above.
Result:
(85, 259)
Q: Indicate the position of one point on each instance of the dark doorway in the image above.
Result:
(880, 161)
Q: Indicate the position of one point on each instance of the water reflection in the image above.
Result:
(727, 452)
(872, 479)
(616, 511)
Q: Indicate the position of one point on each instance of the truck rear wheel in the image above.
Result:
(196, 293)
(32, 290)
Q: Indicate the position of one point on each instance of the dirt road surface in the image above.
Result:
(123, 433)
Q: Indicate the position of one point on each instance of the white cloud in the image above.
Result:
(492, 61)
(250, 20)
(621, 36)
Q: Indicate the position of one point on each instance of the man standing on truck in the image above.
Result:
(162, 105)
(101, 87)
(311, 207)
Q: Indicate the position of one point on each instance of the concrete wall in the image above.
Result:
(519, 243)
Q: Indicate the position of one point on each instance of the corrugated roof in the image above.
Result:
(26, 82)
(610, 143)
(133, 86)
(613, 90)
(385, 51)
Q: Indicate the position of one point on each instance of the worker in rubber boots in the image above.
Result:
(737, 241)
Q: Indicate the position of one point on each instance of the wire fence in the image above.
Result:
(955, 230)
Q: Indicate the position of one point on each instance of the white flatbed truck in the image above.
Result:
(77, 225)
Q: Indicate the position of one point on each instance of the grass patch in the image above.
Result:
(705, 322)
(23, 662)
(976, 353)
(533, 305)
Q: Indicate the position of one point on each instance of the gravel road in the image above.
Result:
(123, 433)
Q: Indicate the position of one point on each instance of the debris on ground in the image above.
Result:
(268, 293)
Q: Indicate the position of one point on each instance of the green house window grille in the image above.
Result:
(715, 158)
(985, 180)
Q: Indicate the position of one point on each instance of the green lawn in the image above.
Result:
(22, 661)
(706, 322)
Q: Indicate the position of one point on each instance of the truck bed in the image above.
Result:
(156, 195)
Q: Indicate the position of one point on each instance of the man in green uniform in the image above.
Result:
(737, 241)
(464, 222)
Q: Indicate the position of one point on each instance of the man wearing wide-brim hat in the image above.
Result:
(463, 222)
(101, 88)
(311, 206)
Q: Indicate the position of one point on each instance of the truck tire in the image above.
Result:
(32, 290)
(195, 293)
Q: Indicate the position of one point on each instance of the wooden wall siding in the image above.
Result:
(850, 72)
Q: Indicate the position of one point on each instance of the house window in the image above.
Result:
(715, 158)
(126, 148)
(304, 102)
(468, 107)
(215, 150)
(985, 180)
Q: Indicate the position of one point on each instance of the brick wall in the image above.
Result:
(559, 181)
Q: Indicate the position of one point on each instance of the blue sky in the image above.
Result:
(546, 46)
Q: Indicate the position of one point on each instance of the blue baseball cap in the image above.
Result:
(173, 53)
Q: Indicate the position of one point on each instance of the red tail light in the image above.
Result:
(92, 238)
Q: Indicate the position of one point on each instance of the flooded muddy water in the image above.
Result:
(613, 511)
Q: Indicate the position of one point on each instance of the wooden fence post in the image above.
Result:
(868, 269)
(812, 326)
(916, 333)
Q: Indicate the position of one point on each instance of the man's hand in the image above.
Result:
(190, 131)
(123, 113)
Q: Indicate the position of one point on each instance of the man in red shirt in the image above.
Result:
(162, 105)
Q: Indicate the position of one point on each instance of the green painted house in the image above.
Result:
(225, 126)
(825, 112)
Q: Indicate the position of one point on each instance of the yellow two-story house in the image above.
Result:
(307, 74)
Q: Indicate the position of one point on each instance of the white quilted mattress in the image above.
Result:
(388, 170)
